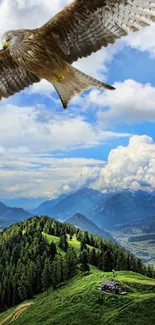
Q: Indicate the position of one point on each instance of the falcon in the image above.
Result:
(81, 28)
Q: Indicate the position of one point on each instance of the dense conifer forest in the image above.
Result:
(30, 263)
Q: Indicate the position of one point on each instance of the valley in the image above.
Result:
(143, 249)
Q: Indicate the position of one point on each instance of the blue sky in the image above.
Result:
(105, 140)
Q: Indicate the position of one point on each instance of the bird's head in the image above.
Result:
(12, 38)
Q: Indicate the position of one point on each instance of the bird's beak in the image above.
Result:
(5, 45)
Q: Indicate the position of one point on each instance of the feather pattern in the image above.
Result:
(85, 26)
(13, 78)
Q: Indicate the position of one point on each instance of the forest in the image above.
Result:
(30, 264)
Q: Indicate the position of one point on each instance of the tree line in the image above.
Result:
(29, 264)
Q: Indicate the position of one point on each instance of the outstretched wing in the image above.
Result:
(12, 77)
(85, 26)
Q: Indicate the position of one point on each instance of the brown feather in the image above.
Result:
(85, 26)
(12, 77)
(81, 28)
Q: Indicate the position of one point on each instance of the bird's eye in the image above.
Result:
(8, 39)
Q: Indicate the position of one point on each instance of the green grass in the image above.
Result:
(72, 243)
(79, 302)
(76, 244)
(55, 240)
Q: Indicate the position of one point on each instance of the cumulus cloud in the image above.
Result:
(43, 88)
(40, 130)
(131, 167)
(27, 13)
(143, 40)
(28, 134)
(130, 102)
(23, 174)
(27, 174)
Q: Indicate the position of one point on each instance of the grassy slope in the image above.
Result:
(80, 302)
(72, 243)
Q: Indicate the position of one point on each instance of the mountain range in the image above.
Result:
(123, 207)
(105, 210)
(8, 215)
(24, 202)
(44, 207)
(81, 201)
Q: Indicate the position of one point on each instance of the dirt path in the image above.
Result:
(16, 313)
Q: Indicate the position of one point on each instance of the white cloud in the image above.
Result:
(130, 102)
(28, 134)
(40, 130)
(27, 13)
(25, 174)
(131, 167)
(143, 40)
(95, 64)
(43, 88)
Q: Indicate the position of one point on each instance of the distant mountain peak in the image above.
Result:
(81, 221)
(9, 215)
(79, 216)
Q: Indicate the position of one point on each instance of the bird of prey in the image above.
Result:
(81, 28)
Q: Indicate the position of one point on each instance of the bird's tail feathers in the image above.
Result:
(75, 83)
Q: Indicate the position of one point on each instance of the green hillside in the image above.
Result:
(80, 302)
(50, 272)
(72, 243)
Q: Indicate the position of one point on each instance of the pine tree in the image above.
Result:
(56, 272)
(64, 269)
(93, 257)
(150, 271)
(52, 250)
(122, 262)
(139, 266)
(71, 259)
(108, 262)
(46, 275)
(86, 237)
(14, 290)
(84, 266)
(24, 288)
(82, 245)
(63, 244)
